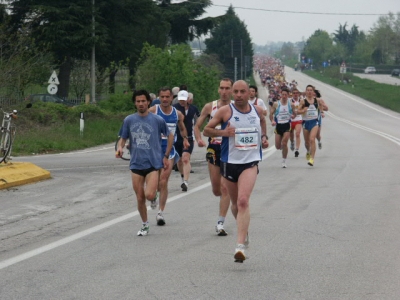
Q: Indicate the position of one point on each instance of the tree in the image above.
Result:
(184, 21)
(22, 63)
(174, 66)
(230, 39)
(319, 47)
(385, 36)
(348, 39)
(63, 27)
(130, 24)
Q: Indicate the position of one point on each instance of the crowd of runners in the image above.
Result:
(164, 129)
(291, 110)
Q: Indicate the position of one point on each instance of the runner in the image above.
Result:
(310, 107)
(255, 100)
(144, 131)
(174, 119)
(244, 133)
(296, 124)
(214, 151)
(190, 114)
(280, 115)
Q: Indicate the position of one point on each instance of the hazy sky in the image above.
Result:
(264, 25)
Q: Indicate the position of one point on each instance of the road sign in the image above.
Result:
(343, 68)
(53, 78)
(52, 89)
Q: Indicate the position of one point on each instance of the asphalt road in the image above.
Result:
(381, 78)
(331, 231)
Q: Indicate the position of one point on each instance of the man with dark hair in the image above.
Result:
(213, 155)
(255, 100)
(174, 120)
(144, 131)
(280, 115)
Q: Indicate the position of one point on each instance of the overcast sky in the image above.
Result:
(265, 26)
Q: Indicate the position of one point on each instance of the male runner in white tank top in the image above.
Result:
(243, 131)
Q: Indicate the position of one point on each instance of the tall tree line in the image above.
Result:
(64, 30)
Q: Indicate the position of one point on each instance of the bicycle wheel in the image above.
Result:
(126, 155)
(5, 146)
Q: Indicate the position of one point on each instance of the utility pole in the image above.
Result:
(93, 61)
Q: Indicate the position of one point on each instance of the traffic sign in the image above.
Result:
(52, 89)
(53, 78)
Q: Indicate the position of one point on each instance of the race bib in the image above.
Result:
(246, 138)
(172, 128)
(312, 114)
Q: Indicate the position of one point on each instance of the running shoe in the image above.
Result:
(219, 228)
(154, 202)
(160, 219)
(292, 146)
(319, 145)
(184, 186)
(311, 162)
(308, 156)
(284, 165)
(240, 256)
(144, 230)
(296, 153)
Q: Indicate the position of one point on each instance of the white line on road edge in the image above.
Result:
(8, 262)
(380, 133)
(354, 99)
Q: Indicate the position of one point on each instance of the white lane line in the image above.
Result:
(380, 133)
(354, 99)
(16, 259)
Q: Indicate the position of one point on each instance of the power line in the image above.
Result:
(301, 12)
(294, 12)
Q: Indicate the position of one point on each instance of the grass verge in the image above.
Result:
(385, 95)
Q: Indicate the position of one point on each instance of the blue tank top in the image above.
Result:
(172, 121)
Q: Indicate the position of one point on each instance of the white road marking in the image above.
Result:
(380, 133)
(14, 260)
(354, 99)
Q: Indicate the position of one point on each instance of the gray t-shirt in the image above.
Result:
(145, 140)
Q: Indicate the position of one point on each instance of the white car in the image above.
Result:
(370, 70)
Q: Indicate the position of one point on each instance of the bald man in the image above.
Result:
(243, 131)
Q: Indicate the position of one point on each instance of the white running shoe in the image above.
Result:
(319, 145)
(240, 256)
(292, 146)
(219, 228)
(284, 165)
(154, 202)
(160, 219)
(144, 230)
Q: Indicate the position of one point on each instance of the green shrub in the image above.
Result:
(118, 103)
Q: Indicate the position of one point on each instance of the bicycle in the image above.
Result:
(126, 155)
(7, 132)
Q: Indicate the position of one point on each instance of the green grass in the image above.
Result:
(65, 137)
(385, 95)
(54, 128)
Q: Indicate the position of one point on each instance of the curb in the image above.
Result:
(15, 174)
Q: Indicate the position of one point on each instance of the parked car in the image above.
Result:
(49, 98)
(370, 70)
(395, 72)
